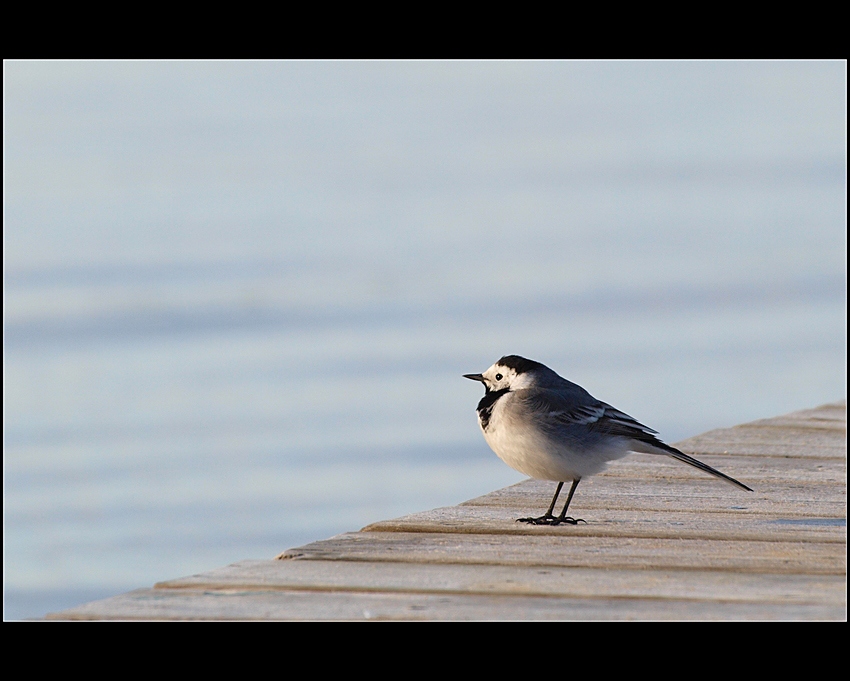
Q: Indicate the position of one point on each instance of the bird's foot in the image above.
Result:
(549, 519)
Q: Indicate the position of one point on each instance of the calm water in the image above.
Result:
(238, 297)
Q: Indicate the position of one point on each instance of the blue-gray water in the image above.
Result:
(239, 297)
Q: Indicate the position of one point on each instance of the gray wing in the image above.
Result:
(554, 408)
(565, 410)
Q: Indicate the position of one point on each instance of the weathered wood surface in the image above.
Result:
(662, 541)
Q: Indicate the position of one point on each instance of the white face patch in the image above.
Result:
(499, 377)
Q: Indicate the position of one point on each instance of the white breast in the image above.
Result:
(530, 451)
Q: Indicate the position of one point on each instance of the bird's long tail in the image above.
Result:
(659, 447)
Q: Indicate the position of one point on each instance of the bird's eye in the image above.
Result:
(498, 377)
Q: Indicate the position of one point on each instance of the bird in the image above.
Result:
(549, 428)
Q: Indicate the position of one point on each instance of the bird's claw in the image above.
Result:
(551, 520)
(542, 520)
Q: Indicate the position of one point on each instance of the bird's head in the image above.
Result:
(512, 372)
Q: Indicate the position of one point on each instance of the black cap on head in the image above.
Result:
(520, 364)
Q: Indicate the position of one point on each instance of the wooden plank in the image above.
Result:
(810, 433)
(363, 576)
(769, 440)
(832, 415)
(624, 523)
(547, 549)
(162, 604)
(532, 497)
(754, 470)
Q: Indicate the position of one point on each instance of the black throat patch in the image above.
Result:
(485, 406)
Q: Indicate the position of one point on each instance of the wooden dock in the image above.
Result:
(662, 541)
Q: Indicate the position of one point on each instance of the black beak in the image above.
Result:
(474, 377)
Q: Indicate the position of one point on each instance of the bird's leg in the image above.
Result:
(554, 499)
(548, 518)
(564, 518)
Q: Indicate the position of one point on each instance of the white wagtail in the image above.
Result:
(551, 429)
